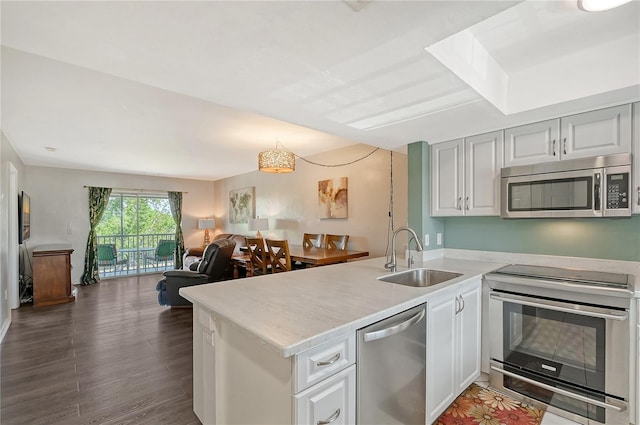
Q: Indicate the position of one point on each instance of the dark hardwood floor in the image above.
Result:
(114, 356)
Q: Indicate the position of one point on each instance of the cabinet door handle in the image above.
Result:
(553, 148)
(331, 418)
(462, 302)
(457, 305)
(459, 205)
(638, 195)
(466, 203)
(332, 360)
(564, 146)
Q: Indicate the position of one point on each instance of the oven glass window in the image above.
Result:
(558, 345)
(557, 194)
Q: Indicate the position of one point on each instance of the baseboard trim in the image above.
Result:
(5, 328)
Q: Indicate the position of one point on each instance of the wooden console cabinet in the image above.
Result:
(52, 275)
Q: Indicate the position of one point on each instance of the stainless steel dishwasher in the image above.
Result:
(391, 360)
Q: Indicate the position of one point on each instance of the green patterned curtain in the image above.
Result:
(98, 200)
(175, 202)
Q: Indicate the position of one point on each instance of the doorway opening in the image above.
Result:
(136, 235)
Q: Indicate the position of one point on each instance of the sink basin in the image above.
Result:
(419, 277)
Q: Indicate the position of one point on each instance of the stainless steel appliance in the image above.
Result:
(391, 370)
(587, 187)
(561, 337)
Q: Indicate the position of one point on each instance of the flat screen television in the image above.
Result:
(24, 217)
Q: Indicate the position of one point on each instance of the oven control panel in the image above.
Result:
(618, 191)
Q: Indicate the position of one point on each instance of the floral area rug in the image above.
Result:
(482, 406)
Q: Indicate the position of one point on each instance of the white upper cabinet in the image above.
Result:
(635, 189)
(447, 168)
(600, 132)
(466, 176)
(532, 143)
(483, 160)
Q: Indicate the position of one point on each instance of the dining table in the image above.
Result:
(310, 256)
(323, 256)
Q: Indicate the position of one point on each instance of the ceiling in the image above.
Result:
(197, 89)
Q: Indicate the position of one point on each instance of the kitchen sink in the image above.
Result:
(420, 277)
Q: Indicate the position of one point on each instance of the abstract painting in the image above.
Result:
(241, 205)
(333, 198)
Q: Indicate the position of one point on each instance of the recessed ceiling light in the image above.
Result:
(600, 5)
(50, 149)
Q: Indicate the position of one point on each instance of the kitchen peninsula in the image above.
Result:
(281, 348)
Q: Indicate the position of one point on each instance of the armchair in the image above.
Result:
(214, 266)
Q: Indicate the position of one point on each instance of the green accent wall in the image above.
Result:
(615, 239)
(419, 194)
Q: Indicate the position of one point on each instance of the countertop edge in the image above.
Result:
(288, 350)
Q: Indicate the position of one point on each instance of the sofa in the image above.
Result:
(193, 255)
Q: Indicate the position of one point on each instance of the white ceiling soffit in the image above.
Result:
(197, 88)
(540, 53)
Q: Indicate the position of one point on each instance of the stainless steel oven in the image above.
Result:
(561, 337)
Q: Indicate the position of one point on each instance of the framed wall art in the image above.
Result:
(333, 198)
(242, 205)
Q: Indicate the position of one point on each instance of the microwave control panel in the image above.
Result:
(617, 191)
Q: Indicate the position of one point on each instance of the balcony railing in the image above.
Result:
(135, 254)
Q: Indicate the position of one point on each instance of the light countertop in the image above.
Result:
(291, 312)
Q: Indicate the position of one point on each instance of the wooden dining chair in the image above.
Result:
(258, 257)
(279, 255)
(336, 241)
(312, 240)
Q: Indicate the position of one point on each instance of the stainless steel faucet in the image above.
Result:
(393, 264)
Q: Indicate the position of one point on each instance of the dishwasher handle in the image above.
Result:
(392, 330)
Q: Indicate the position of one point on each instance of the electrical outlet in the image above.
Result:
(439, 238)
(426, 239)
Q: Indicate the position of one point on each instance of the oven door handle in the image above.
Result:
(563, 307)
(561, 391)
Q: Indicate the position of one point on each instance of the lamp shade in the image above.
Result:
(258, 224)
(276, 161)
(206, 223)
(600, 5)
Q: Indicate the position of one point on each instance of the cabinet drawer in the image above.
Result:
(332, 401)
(320, 362)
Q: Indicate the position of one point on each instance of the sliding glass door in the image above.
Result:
(136, 235)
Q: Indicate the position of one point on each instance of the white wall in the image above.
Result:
(290, 201)
(59, 205)
(7, 155)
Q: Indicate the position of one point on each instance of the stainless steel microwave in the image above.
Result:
(599, 186)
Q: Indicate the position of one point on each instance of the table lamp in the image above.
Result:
(258, 224)
(206, 224)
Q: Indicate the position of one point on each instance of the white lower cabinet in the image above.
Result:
(332, 401)
(203, 361)
(638, 366)
(453, 344)
(237, 379)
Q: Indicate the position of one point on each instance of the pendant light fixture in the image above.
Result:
(277, 161)
(600, 5)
